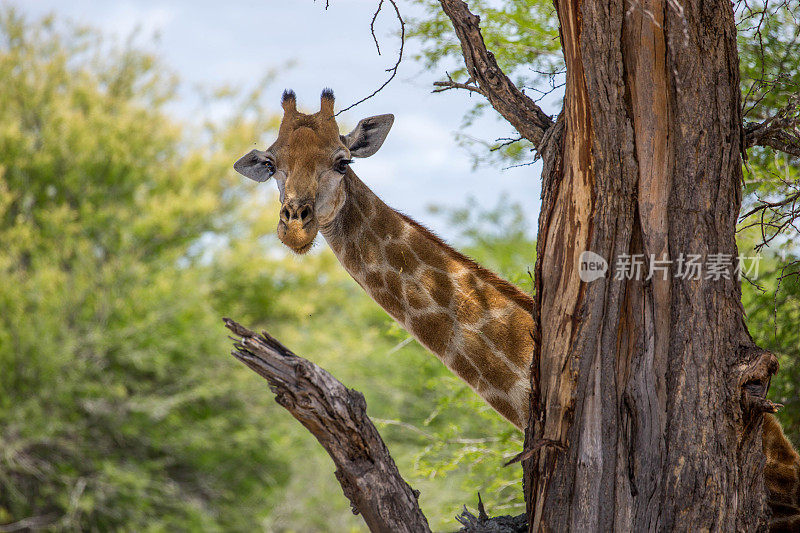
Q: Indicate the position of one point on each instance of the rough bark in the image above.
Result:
(648, 383)
(337, 417)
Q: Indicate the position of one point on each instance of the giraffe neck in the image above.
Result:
(476, 323)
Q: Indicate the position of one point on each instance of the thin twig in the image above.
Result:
(506, 141)
(536, 446)
(372, 27)
(765, 205)
(469, 85)
(392, 70)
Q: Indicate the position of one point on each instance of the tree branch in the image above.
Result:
(764, 205)
(521, 111)
(774, 218)
(337, 417)
(781, 131)
(469, 85)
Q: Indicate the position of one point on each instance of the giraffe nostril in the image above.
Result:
(291, 211)
(305, 213)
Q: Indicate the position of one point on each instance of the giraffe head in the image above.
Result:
(309, 161)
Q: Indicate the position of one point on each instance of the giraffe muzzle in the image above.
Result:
(298, 226)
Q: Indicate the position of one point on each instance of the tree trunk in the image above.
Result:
(652, 384)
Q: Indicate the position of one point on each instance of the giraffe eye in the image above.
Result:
(341, 165)
(270, 166)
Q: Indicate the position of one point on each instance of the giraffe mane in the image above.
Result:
(505, 288)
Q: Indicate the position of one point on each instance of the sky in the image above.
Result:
(210, 43)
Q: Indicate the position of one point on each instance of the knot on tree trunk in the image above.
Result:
(755, 373)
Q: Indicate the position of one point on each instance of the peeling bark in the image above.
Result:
(654, 386)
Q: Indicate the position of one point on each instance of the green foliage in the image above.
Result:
(522, 35)
(772, 307)
(773, 312)
(769, 52)
(118, 407)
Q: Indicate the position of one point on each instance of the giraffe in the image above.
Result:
(781, 477)
(479, 325)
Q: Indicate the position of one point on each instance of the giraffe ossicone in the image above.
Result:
(479, 325)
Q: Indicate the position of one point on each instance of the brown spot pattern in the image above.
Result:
(427, 253)
(374, 279)
(386, 226)
(401, 258)
(414, 297)
(782, 469)
(433, 330)
(495, 370)
(350, 258)
(465, 369)
(391, 303)
(367, 209)
(506, 409)
(472, 344)
(393, 283)
(499, 374)
(467, 311)
(370, 255)
(510, 338)
(441, 289)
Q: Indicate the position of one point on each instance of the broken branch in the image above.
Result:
(528, 452)
(337, 417)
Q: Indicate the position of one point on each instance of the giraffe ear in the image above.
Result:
(254, 165)
(368, 135)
